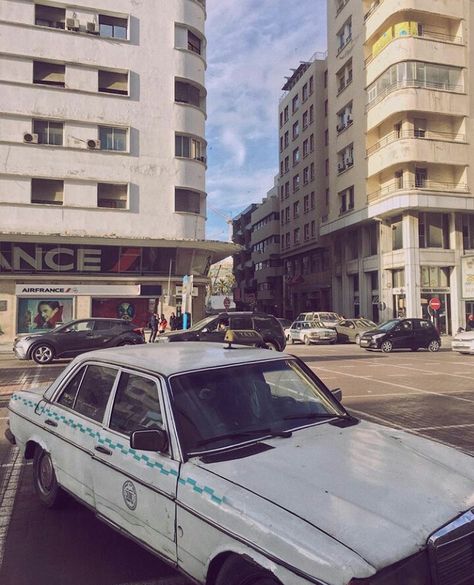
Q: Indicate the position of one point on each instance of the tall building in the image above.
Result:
(245, 292)
(102, 181)
(401, 208)
(304, 188)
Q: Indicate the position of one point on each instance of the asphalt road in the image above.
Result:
(428, 394)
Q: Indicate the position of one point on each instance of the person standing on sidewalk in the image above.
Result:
(470, 323)
(163, 324)
(153, 324)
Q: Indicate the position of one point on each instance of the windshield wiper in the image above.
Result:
(313, 416)
(257, 433)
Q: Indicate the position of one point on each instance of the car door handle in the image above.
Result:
(51, 423)
(103, 450)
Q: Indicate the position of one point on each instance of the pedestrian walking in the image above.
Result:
(163, 324)
(172, 322)
(153, 325)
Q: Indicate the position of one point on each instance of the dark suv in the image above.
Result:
(402, 334)
(214, 328)
(76, 337)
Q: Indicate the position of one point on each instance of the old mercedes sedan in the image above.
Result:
(240, 467)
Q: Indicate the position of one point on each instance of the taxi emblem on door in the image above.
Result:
(129, 494)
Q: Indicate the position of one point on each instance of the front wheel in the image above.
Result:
(42, 354)
(357, 339)
(386, 346)
(44, 479)
(434, 345)
(306, 340)
(236, 571)
(271, 345)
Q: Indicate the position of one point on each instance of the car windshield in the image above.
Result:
(316, 325)
(328, 316)
(387, 325)
(223, 407)
(202, 323)
(364, 323)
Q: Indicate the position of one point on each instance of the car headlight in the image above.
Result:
(411, 571)
(378, 335)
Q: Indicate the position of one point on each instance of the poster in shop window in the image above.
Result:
(43, 314)
(136, 310)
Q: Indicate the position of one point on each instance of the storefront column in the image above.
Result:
(385, 278)
(456, 244)
(412, 265)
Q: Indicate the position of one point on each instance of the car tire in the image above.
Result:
(357, 339)
(434, 345)
(386, 346)
(271, 345)
(42, 354)
(237, 571)
(306, 340)
(292, 341)
(44, 480)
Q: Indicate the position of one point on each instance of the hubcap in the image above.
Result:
(46, 474)
(43, 354)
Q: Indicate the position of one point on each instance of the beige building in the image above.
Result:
(103, 159)
(303, 187)
(401, 206)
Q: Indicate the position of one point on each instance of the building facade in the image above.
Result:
(401, 210)
(303, 186)
(245, 291)
(102, 186)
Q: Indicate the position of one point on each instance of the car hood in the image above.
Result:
(374, 331)
(30, 335)
(466, 336)
(378, 491)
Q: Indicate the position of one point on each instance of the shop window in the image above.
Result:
(398, 278)
(47, 191)
(49, 132)
(112, 195)
(113, 82)
(187, 201)
(45, 73)
(434, 277)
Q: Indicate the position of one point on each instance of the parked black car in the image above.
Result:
(213, 328)
(76, 337)
(402, 334)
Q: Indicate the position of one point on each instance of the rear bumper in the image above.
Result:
(10, 437)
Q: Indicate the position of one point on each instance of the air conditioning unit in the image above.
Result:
(93, 144)
(72, 23)
(349, 162)
(30, 138)
(92, 28)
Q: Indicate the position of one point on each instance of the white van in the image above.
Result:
(328, 319)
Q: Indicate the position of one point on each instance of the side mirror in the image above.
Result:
(149, 440)
(337, 393)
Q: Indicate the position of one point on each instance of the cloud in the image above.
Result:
(251, 47)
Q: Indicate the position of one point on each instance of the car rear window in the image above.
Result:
(266, 323)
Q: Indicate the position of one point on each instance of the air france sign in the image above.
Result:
(96, 290)
(58, 259)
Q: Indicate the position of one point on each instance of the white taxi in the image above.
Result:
(238, 466)
(463, 342)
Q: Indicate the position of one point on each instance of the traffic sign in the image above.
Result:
(435, 304)
(226, 303)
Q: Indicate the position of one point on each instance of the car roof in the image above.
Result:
(178, 357)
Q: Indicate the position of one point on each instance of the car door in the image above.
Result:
(213, 331)
(343, 330)
(78, 338)
(136, 490)
(74, 418)
(402, 335)
(104, 332)
(295, 331)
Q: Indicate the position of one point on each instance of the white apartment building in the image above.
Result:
(304, 187)
(103, 159)
(401, 210)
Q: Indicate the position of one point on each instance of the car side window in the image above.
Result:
(406, 326)
(103, 325)
(261, 323)
(136, 406)
(241, 323)
(94, 391)
(69, 393)
(81, 326)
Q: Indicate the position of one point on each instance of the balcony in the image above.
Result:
(381, 10)
(341, 126)
(421, 185)
(415, 96)
(416, 145)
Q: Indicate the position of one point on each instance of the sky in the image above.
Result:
(251, 46)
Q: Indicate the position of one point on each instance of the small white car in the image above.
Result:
(239, 467)
(309, 332)
(463, 342)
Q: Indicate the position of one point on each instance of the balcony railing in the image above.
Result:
(412, 83)
(425, 34)
(422, 184)
(340, 6)
(418, 134)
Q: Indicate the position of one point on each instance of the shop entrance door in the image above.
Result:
(441, 319)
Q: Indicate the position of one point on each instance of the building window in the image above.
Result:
(296, 183)
(305, 92)
(311, 143)
(433, 230)
(187, 93)
(296, 129)
(194, 43)
(311, 114)
(287, 239)
(286, 139)
(311, 85)
(434, 277)
(312, 200)
(296, 236)
(287, 164)
(287, 214)
(111, 26)
(189, 147)
(313, 229)
(112, 195)
(45, 73)
(311, 172)
(397, 233)
(296, 156)
(306, 204)
(306, 231)
(285, 114)
(113, 138)
(281, 119)
(305, 148)
(305, 120)
(398, 278)
(50, 16)
(346, 199)
(287, 189)
(296, 209)
(295, 103)
(468, 232)
(49, 132)
(187, 201)
(47, 191)
(113, 82)
(305, 175)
